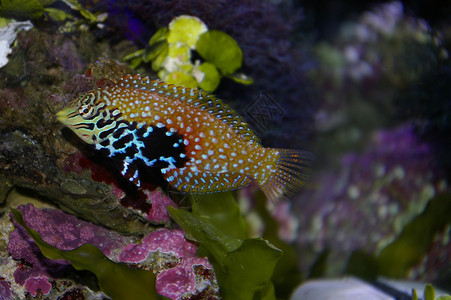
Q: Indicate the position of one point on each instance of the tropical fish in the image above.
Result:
(199, 143)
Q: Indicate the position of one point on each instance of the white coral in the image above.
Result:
(7, 36)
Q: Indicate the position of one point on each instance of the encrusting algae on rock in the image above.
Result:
(199, 143)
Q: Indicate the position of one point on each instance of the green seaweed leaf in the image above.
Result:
(186, 29)
(410, 247)
(221, 50)
(211, 77)
(414, 295)
(222, 211)
(115, 279)
(135, 58)
(429, 292)
(88, 15)
(157, 44)
(363, 265)
(154, 50)
(249, 269)
(267, 293)
(57, 14)
(138, 53)
(201, 230)
(21, 8)
(160, 55)
(241, 78)
(47, 2)
(243, 266)
(160, 35)
(287, 275)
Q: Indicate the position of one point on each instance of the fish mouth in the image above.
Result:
(69, 117)
(64, 115)
(61, 116)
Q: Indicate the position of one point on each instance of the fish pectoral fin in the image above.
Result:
(130, 171)
(187, 181)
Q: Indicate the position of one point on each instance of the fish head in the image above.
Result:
(83, 115)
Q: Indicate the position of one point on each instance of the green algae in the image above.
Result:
(169, 53)
(286, 276)
(243, 266)
(186, 29)
(221, 50)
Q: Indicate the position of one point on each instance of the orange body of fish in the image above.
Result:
(199, 143)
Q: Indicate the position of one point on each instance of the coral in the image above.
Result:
(174, 280)
(427, 102)
(159, 200)
(33, 147)
(61, 230)
(371, 197)
(5, 289)
(179, 271)
(65, 232)
(371, 72)
(40, 284)
(7, 37)
(376, 41)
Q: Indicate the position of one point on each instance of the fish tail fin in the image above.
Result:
(292, 168)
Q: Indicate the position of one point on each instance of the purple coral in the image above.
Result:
(5, 289)
(61, 230)
(33, 285)
(372, 196)
(183, 275)
(176, 281)
(65, 231)
(158, 213)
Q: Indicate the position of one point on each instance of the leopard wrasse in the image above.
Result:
(199, 143)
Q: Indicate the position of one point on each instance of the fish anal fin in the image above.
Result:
(204, 182)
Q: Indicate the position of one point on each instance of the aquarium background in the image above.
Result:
(363, 86)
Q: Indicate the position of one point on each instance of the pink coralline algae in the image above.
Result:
(179, 271)
(33, 285)
(157, 212)
(61, 230)
(5, 289)
(178, 280)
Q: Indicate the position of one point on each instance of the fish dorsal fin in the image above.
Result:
(197, 99)
(137, 82)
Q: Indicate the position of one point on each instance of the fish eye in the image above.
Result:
(86, 111)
